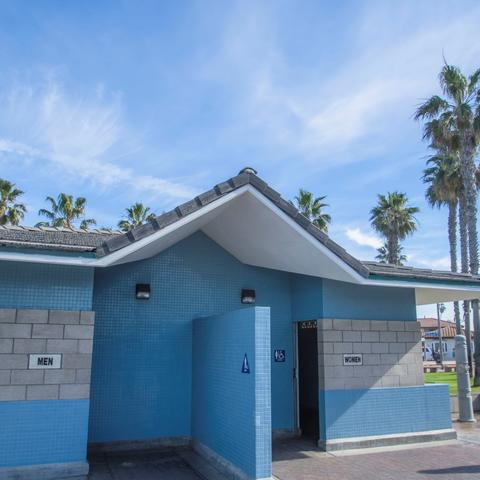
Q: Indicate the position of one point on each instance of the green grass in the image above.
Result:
(450, 378)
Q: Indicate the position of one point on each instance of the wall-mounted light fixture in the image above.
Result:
(142, 291)
(248, 296)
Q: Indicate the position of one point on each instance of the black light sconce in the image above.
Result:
(248, 296)
(142, 291)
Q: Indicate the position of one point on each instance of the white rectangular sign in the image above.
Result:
(353, 359)
(44, 360)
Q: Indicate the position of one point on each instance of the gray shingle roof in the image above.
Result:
(104, 242)
(384, 269)
(49, 238)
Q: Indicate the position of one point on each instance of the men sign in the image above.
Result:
(44, 361)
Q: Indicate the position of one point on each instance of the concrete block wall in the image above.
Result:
(28, 331)
(391, 352)
(44, 412)
(385, 395)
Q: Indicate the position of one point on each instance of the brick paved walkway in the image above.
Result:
(298, 460)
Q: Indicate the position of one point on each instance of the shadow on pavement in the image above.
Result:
(452, 470)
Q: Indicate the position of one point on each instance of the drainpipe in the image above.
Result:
(465, 407)
(440, 342)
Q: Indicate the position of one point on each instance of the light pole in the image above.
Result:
(439, 326)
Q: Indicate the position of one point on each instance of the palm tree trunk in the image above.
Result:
(464, 267)
(393, 249)
(468, 168)
(452, 240)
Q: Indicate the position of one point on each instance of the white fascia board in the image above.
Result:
(409, 284)
(51, 259)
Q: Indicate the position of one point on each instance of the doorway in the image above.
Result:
(308, 379)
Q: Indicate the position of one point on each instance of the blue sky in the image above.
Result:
(156, 101)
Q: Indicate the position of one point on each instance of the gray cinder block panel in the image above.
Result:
(389, 354)
(62, 346)
(28, 345)
(59, 376)
(63, 317)
(47, 331)
(32, 331)
(6, 345)
(79, 331)
(11, 361)
(12, 393)
(68, 392)
(32, 316)
(7, 315)
(27, 377)
(13, 330)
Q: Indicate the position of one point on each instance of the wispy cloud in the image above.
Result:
(322, 114)
(363, 239)
(79, 135)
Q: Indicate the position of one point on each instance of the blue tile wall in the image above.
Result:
(382, 411)
(263, 394)
(141, 376)
(231, 409)
(349, 301)
(46, 431)
(36, 285)
(307, 297)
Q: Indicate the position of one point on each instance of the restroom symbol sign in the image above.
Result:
(279, 356)
(245, 365)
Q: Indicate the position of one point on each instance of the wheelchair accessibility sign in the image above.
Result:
(279, 355)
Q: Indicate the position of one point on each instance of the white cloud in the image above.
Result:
(321, 114)
(364, 239)
(83, 136)
(442, 263)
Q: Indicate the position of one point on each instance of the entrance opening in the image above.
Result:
(308, 379)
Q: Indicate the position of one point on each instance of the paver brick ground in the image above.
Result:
(300, 460)
(460, 460)
(163, 464)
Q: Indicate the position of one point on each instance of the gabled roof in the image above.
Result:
(246, 177)
(107, 243)
(447, 332)
(432, 323)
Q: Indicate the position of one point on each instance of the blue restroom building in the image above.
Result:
(221, 325)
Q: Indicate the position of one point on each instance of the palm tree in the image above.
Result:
(312, 209)
(136, 215)
(455, 120)
(65, 211)
(384, 254)
(11, 212)
(444, 188)
(395, 220)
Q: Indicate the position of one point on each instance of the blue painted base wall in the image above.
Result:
(231, 410)
(44, 431)
(382, 411)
